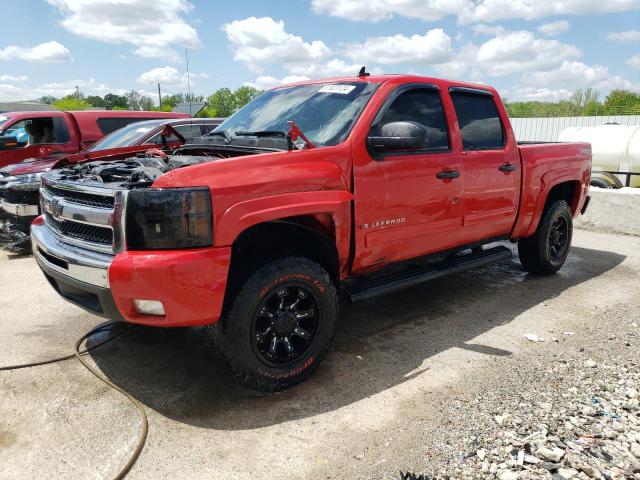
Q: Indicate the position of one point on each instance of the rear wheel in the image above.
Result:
(280, 325)
(546, 251)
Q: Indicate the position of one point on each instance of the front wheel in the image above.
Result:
(280, 325)
(546, 251)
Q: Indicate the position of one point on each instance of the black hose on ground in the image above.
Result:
(98, 329)
(78, 354)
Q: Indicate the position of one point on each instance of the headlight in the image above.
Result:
(169, 218)
(29, 181)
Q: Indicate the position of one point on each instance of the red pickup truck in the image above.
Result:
(26, 135)
(20, 182)
(351, 186)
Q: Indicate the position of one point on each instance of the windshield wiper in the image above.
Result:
(262, 133)
(220, 133)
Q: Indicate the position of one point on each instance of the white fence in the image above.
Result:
(548, 129)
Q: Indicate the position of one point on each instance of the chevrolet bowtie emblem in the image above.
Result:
(54, 207)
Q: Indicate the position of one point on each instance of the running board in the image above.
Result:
(391, 283)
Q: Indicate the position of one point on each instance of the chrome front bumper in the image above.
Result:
(73, 262)
(18, 209)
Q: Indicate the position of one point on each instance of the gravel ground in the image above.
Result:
(572, 412)
(419, 381)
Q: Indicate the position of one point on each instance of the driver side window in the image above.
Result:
(421, 105)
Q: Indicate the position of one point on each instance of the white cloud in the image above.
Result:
(265, 82)
(493, 10)
(48, 52)
(572, 75)
(169, 76)
(11, 92)
(13, 78)
(628, 36)
(56, 89)
(537, 94)
(634, 62)
(257, 42)
(467, 11)
(378, 10)
(333, 68)
(482, 29)
(153, 28)
(432, 48)
(554, 28)
(521, 51)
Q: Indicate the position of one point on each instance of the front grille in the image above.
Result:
(81, 231)
(28, 197)
(81, 217)
(81, 198)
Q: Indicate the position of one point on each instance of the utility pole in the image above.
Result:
(78, 96)
(159, 97)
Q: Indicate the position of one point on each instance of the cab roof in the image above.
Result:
(396, 79)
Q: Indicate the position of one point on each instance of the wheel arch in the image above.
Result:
(558, 187)
(313, 236)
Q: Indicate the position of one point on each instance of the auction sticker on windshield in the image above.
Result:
(342, 89)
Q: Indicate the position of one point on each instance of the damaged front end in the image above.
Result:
(19, 202)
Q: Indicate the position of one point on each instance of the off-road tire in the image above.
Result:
(233, 335)
(535, 252)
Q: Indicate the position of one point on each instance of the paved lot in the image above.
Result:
(373, 408)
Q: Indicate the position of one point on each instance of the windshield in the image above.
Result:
(127, 136)
(3, 120)
(325, 112)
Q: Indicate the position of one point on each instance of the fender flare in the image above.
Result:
(243, 215)
(547, 182)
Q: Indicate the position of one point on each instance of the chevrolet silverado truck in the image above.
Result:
(25, 135)
(349, 187)
(20, 182)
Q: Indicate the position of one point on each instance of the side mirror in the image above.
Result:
(399, 136)
(9, 143)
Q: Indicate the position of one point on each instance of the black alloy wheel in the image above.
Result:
(558, 238)
(285, 324)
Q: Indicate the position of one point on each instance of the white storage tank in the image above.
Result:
(615, 148)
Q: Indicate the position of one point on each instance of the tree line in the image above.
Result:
(221, 103)
(581, 103)
(224, 102)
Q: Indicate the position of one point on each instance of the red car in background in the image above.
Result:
(26, 135)
(20, 183)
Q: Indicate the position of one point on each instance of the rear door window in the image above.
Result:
(479, 121)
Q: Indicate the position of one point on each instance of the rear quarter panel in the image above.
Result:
(543, 167)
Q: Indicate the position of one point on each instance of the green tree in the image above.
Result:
(244, 95)
(115, 102)
(137, 101)
(70, 102)
(48, 99)
(581, 98)
(222, 103)
(622, 102)
(95, 101)
(146, 104)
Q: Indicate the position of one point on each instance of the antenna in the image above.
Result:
(186, 55)
(363, 72)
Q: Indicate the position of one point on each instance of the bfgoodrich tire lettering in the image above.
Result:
(546, 251)
(280, 325)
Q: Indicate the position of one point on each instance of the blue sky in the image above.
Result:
(528, 49)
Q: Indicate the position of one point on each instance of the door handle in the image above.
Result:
(447, 174)
(507, 167)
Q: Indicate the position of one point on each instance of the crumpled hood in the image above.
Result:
(34, 165)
